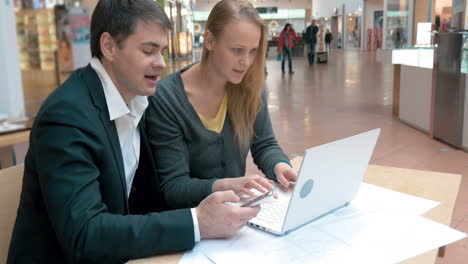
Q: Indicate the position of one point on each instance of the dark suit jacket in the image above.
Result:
(311, 34)
(73, 206)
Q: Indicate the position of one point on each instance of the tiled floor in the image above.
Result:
(352, 94)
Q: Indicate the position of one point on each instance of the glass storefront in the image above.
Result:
(353, 30)
(443, 15)
(458, 12)
(397, 25)
(340, 32)
(274, 21)
(181, 37)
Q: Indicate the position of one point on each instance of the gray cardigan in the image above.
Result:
(189, 157)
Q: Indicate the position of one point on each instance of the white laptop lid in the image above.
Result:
(329, 177)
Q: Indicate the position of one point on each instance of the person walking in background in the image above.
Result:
(397, 37)
(328, 39)
(311, 40)
(286, 43)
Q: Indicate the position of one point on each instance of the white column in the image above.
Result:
(344, 29)
(466, 16)
(11, 88)
(410, 21)
(385, 28)
(363, 26)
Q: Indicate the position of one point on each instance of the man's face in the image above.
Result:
(139, 61)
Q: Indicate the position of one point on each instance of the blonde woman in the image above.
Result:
(204, 119)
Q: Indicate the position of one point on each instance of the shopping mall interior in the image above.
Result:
(397, 65)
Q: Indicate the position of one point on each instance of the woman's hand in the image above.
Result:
(243, 185)
(285, 174)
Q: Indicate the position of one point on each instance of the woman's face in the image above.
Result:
(234, 50)
(288, 28)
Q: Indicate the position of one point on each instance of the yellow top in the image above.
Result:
(216, 124)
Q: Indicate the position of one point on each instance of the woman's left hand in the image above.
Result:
(243, 185)
(285, 174)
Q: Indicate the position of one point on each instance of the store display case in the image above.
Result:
(464, 62)
(36, 39)
(37, 46)
(417, 56)
(430, 88)
(413, 87)
(449, 89)
(184, 43)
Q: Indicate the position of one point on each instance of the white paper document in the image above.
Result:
(195, 256)
(372, 198)
(378, 226)
(375, 238)
(391, 238)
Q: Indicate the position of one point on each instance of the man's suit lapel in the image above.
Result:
(97, 93)
(146, 195)
(146, 151)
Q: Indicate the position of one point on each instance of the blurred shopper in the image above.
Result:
(286, 43)
(397, 37)
(210, 115)
(328, 40)
(311, 40)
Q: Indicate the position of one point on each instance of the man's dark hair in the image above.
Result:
(119, 18)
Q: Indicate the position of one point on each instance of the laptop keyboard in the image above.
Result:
(273, 211)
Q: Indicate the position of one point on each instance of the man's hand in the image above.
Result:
(243, 185)
(219, 220)
(285, 174)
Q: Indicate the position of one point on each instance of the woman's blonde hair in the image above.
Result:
(244, 98)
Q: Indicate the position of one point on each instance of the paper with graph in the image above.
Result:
(378, 226)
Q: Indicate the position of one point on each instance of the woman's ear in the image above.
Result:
(209, 40)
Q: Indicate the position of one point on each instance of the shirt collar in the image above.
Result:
(115, 103)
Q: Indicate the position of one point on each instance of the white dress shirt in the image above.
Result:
(126, 118)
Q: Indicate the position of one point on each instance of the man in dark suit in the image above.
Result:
(311, 39)
(90, 190)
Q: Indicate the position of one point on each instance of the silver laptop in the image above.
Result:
(329, 177)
